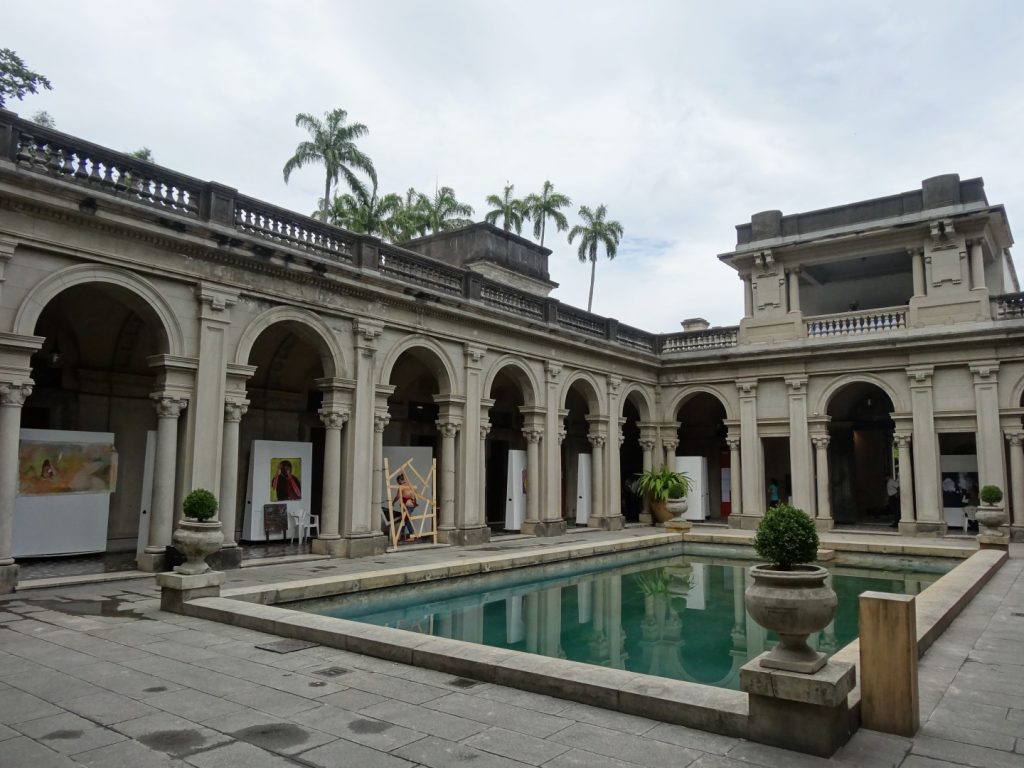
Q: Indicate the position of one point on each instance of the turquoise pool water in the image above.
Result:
(679, 617)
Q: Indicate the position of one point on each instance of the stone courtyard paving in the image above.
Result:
(96, 675)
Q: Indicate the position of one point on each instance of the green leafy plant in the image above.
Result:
(200, 504)
(785, 537)
(662, 484)
(653, 582)
(991, 494)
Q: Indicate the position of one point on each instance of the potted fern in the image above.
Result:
(666, 492)
(199, 532)
(789, 595)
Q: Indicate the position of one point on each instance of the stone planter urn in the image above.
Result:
(990, 518)
(677, 508)
(793, 604)
(197, 540)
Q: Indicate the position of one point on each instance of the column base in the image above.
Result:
(824, 523)
(1017, 533)
(176, 589)
(615, 523)
(544, 528)
(151, 562)
(462, 537)
(744, 522)
(365, 545)
(8, 578)
(922, 528)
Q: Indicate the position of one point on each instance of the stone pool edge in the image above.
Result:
(690, 704)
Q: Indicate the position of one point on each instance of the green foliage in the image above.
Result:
(653, 582)
(786, 536)
(16, 79)
(45, 119)
(200, 504)
(332, 144)
(546, 206)
(443, 211)
(991, 494)
(662, 484)
(143, 153)
(595, 232)
(363, 211)
(511, 211)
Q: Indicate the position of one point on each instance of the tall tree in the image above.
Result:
(16, 79)
(332, 143)
(143, 153)
(546, 206)
(594, 232)
(443, 211)
(44, 118)
(409, 220)
(510, 210)
(363, 211)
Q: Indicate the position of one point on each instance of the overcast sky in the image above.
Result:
(682, 117)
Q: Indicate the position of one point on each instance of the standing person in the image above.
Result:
(773, 492)
(892, 490)
(406, 497)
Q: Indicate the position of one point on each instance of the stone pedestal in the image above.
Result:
(8, 578)
(351, 545)
(151, 562)
(682, 526)
(646, 519)
(805, 713)
(744, 522)
(613, 523)
(994, 541)
(922, 528)
(544, 528)
(462, 537)
(176, 589)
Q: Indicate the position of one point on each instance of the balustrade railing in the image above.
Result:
(583, 322)
(883, 320)
(418, 271)
(287, 228)
(709, 338)
(46, 151)
(1009, 306)
(636, 339)
(510, 300)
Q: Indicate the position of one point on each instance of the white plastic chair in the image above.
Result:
(299, 527)
(312, 523)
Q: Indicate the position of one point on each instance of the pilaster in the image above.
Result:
(470, 504)
(991, 470)
(929, 519)
(800, 461)
(751, 457)
(551, 522)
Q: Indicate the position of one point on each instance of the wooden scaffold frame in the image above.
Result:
(423, 518)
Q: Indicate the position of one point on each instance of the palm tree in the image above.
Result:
(409, 220)
(596, 232)
(511, 211)
(333, 144)
(444, 211)
(545, 206)
(363, 211)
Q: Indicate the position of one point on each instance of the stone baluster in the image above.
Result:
(12, 397)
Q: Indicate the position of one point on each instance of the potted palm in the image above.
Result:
(666, 492)
(990, 514)
(199, 532)
(789, 595)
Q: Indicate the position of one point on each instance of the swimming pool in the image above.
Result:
(680, 617)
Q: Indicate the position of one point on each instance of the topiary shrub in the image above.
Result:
(991, 494)
(786, 536)
(200, 505)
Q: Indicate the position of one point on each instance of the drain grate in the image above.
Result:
(332, 672)
(286, 646)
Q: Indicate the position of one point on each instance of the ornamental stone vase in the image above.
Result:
(197, 540)
(793, 604)
(677, 508)
(990, 519)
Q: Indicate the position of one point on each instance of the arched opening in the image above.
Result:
(505, 492)
(861, 457)
(87, 420)
(281, 437)
(577, 485)
(703, 454)
(631, 458)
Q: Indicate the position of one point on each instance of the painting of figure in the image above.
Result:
(285, 479)
(52, 468)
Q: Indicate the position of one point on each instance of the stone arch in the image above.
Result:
(591, 392)
(308, 325)
(1016, 396)
(684, 395)
(821, 407)
(519, 371)
(150, 301)
(438, 360)
(640, 398)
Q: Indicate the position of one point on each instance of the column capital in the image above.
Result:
(733, 443)
(670, 444)
(921, 375)
(903, 438)
(820, 441)
(985, 371)
(167, 405)
(474, 354)
(561, 435)
(448, 428)
(797, 385)
(1015, 439)
(597, 440)
(366, 333)
(234, 410)
(380, 421)
(13, 394)
(747, 387)
(333, 418)
(552, 371)
(647, 444)
(215, 301)
(533, 435)
(485, 428)
(614, 384)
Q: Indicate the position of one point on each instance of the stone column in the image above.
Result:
(12, 397)
(470, 518)
(669, 445)
(917, 267)
(613, 509)
(485, 429)
(906, 474)
(333, 419)
(647, 443)
(161, 522)
(823, 521)
(551, 523)
(234, 410)
(735, 486)
(926, 453)
(801, 466)
(598, 505)
(1015, 503)
(794, 289)
(380, 423)
(751, 456)
(533, 437)
(446, 509)
(991, 470)
(977, 266)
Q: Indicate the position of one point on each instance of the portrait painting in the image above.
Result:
(285, 479)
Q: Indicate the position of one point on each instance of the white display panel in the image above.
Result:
(959, 488)
(264, 467)
(515, 491)
(421, 458)
(61, 523)
(699, 497)
(583, 489)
